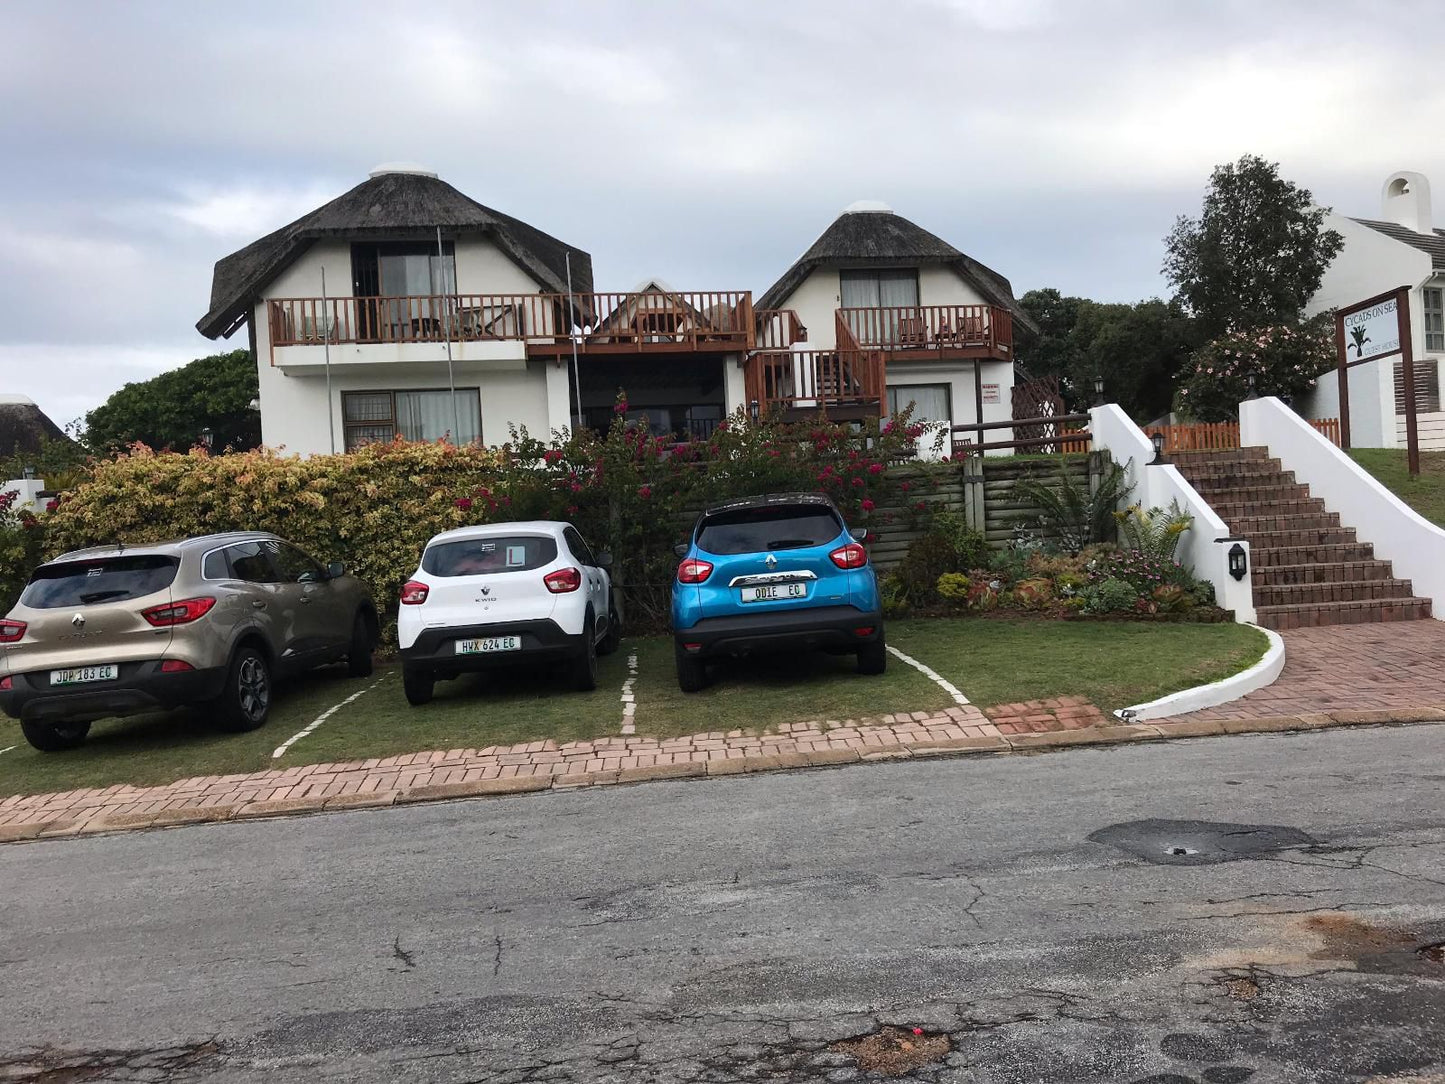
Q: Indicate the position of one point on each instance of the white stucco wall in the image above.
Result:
(959, 375)
(1372, 402)
(293, 382)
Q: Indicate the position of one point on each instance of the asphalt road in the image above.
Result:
(734, 929)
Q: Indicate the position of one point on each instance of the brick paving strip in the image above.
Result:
(544, 765)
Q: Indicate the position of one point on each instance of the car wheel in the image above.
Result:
(418, 683)
(358, 656)
(584, 667)
(873, 658)
(55, 737)
(691, 670)
(613, 639)
(245, 702)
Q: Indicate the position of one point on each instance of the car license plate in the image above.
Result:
(490, 643)
(775, 592)
(84, 673)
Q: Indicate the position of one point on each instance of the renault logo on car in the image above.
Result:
(78, 621)
(770, 561)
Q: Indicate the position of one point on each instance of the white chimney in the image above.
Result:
(1406, 201)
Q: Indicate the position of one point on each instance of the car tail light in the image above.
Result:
(850, 556)
(5, 685)
(563, 580)
(693, 571)
(863, 631)
(175, 666)
(414, 593)
(178, 613)
(11, 631)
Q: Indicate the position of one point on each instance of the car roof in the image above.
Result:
(172, 548)
(771, 500)
(552, 528)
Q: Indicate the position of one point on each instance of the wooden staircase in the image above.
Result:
(1309, 571)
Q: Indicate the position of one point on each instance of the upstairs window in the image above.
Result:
(1434, 305)
(879, 289)
(372, 416)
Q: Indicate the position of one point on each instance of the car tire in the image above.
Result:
(584, 665)
(873, 658)
(55, 737)
(418, 683)
(245, 700)
(691, 670)
(358, 655)
(613, 639)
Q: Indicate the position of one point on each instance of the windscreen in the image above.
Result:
(489, 556)
(103, 579)
(759, 530)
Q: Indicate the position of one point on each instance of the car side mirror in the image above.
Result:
(335, 570)
(604, 559)
(681, 549)
(862, 534)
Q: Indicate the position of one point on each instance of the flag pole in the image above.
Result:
(447, 333)
(576, 377)
(326, 353)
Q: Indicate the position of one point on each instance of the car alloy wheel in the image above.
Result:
(253, 688)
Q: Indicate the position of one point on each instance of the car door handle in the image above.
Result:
(258, 604)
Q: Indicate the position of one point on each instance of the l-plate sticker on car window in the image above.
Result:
(516, 555)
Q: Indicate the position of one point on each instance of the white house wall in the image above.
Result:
(819, 296)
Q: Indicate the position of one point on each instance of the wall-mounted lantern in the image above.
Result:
(1158, 439)
(27, 473)
(1238, 561)
(1098, 391)
(753, 409)
(207, 437)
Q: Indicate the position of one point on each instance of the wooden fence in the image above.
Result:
(1221, 436)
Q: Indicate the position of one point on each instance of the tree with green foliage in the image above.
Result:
(1256, 254)
(171, 410)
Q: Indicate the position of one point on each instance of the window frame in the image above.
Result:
(348, 426)
(891, 410)
(1437, 311)
(578, 546)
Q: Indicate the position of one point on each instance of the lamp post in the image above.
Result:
(1098, 391)
(27, 473)
(207, 438)
(1158, 439)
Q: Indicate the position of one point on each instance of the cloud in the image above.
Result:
(246, 212)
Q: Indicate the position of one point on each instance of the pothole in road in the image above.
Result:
(1199, 843)
(1377, 949)
(893, 1052)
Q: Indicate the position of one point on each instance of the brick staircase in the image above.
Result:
(1308, 570)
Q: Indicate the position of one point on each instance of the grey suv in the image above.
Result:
(125, 629)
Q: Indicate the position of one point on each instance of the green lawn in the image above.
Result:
(992, 661)
(1425, 492)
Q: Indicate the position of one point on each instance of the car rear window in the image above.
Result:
(758, 530)
(103, 579)
(489, 556)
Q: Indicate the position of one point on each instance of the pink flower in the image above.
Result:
(620, 407)
(904, 487)
(875, 468)
(645, 492)
(867, 505)
(858, 482)
(464, 503)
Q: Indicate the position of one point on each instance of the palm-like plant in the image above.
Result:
(1155, 532)
(1078, 515)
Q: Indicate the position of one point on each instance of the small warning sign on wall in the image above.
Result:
(991, 394)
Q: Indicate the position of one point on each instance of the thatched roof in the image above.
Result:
(387, 206)
(880, 238)
(1433, 243)
(24, 427)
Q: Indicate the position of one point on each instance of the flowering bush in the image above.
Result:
(1282, 361)
(629, 492)
(21, 541)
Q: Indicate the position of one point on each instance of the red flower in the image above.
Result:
(875, 468)
(571, 509)
(645, 492)
(464, 503)
(903, 486)
(918, 1031)
(620, 407)
(921, 506)
(51, 506)
(858, 482)
(867, 505)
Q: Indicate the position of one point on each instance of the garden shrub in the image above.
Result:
(1034, 594)
(929, 556)
(953, 587)
(982, 596)
(1155, 532)
(1110, 596)
(891, 598)
(21, 544)
(1171, 598)
(970, 548)
(1072, 512)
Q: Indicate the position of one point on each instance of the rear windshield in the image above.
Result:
(488, 556)
(757, 530)
(104, 579)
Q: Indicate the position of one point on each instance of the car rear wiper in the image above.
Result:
(101, 596)
(789, 543)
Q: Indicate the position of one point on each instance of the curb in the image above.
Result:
(1015, 744)
(1225, 691)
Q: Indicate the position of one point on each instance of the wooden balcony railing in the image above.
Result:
(548, 323)
(958, 330)
(779, 329)
(815, 379)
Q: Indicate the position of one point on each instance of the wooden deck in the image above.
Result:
(934, 332)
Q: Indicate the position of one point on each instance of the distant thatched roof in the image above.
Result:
(391, 206)
(1433, 243)
(24, 427)
(878, 238)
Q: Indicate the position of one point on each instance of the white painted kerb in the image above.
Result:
(1212, 695)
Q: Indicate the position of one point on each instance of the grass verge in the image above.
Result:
(1425, 492)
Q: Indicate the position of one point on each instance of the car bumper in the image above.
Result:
(825, 627)
(542, 641)
(140, 687)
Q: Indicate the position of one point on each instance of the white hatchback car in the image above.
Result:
(493, 596)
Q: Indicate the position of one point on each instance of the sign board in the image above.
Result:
(1373, 331)
(991, 395)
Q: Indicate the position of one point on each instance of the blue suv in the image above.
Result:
(780, 571)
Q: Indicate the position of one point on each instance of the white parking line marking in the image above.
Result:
(7, 749)
(629, 698)
(327, 714)
(931, 675)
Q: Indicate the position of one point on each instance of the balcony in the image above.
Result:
(933, 332)
(843, 384)
(549, 324)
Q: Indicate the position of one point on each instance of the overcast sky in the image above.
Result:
(704, 143)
